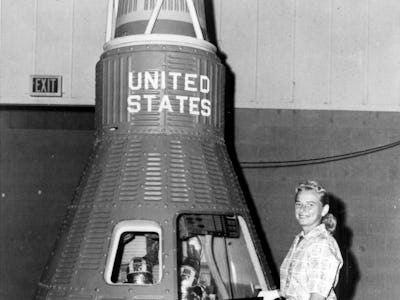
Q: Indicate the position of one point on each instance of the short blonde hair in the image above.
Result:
(311, 185)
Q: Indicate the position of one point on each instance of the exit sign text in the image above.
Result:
(46, 86)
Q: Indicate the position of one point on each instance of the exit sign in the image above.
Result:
(46, 86)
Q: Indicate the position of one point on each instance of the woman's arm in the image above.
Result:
(269, 295)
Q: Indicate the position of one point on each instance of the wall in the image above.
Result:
(42, 154)
(63, 37)
(365, 189)
(44, 150)
(315, 54)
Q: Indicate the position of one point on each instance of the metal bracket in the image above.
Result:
(113, 10)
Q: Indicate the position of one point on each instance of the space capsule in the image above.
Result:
(158, 213)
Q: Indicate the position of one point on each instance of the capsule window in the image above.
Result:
(135, 254)
(217, 258)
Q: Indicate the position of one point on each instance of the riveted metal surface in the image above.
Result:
(144, 176)
(153, 187)
(200, 179)
(213, 161)
(113, 70)
(178, 182)
(93, 246)
(131, 179)
(111, 171)
(156, 157)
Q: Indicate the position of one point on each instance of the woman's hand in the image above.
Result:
(269, 295)
(315, 296)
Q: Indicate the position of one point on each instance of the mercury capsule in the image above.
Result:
(159, 213)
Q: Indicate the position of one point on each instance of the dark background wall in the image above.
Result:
(43, 152)
(365, 190)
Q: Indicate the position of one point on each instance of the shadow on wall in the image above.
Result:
(350, 273)
(229, 134)
(229, 116)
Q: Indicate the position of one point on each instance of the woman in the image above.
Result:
(311, 268)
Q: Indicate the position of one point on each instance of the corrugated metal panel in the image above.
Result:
(182, 64)
(95, 238)
(158, 107)
(218, 92)
(206, 68)
(235, 193)
(70, 254)
(218, 184)
(178, 191)
(91, 188)
(199, 177)
(153, 186)
(93, 246)
(112, 171)
(132, 178)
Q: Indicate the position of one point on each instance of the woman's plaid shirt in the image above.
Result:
(312, 265)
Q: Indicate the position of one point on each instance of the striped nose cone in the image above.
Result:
(174, 17)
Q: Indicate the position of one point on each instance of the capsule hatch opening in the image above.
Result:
(135, 254)
(217, 258)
